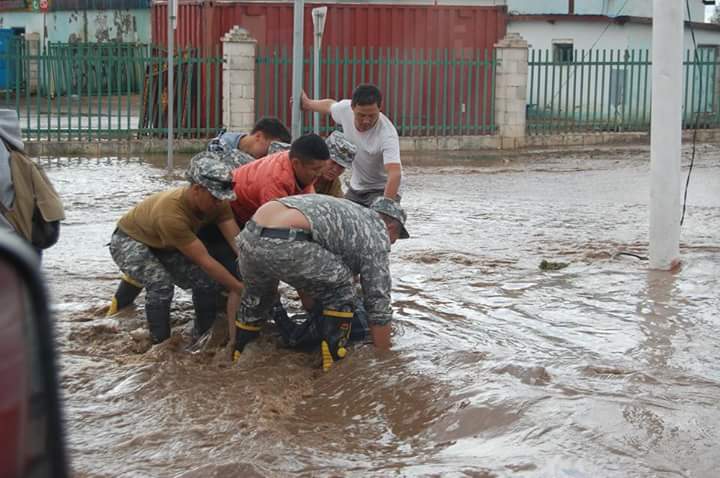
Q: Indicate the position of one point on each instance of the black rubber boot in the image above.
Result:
(205, 304)
(126, 293)
(244, 334)
(158, 318)
(335, 328)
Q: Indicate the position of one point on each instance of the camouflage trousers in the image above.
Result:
(367, 196)
(304, 265)
(159, 270)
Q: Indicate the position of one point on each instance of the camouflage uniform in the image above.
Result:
(159, 270)
(226, 146)
(347, 239)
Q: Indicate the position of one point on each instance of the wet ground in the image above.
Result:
(499, 368)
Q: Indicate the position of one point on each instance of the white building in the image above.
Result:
(590, 61)
(563, 25)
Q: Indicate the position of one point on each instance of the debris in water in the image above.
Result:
(546, 265)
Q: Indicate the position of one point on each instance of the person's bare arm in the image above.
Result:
(318, 106)
(381, 336)
(394, 175)
(196, 252)
(230, 230)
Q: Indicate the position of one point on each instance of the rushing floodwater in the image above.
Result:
(599, 369)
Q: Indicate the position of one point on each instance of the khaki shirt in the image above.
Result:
(165, 220)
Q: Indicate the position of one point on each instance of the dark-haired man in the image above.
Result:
(376, 170)
(156, 244)
(242, 148)
(317, 244)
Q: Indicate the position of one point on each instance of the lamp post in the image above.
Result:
(318, 15)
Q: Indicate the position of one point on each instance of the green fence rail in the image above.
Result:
(114, 90)
(610, 90)
(426, 92)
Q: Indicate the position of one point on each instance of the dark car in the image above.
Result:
(32, 443)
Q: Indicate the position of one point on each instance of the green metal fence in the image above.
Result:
(426, 92)
(98, 91)
(610, 90)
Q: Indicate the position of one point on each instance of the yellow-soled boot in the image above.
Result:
(126, 293)
(335, 329)
(244, 334)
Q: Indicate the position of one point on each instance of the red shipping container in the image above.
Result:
(463, 30)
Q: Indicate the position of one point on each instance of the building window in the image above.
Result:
(563, 52)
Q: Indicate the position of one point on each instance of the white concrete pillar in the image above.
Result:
(238, 100)
(666, 133)
(511, 79)
(33, 49)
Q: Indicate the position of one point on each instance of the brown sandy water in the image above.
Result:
(602, 368)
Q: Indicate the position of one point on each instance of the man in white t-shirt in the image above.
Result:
(376, 170)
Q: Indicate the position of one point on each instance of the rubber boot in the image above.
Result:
(126, 293)
(335, 327)
(244, 334)
(158, 317)
(205, 304)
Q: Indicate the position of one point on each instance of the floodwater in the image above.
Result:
(599, 369)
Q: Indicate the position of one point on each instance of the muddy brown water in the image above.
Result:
(498, 368)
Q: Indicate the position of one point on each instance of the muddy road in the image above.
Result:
(499, 368)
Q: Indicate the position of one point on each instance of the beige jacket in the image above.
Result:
(32, 187)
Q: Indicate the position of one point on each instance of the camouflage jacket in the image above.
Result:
(359, 237)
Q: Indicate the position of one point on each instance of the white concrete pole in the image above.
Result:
(666, 133)
(297, 70)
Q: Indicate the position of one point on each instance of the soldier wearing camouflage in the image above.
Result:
(347, 239)
(146, 245)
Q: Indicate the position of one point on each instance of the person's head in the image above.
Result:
(342, 153)
(263, 133)
(366, 104)
(309, 156)
(393, 216)
(211, 181)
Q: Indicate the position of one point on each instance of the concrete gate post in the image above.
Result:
(511, 79)
(238, 89)
(33, 49)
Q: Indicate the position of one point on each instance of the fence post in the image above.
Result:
(238, 88)
(33, 49)
(511, 79)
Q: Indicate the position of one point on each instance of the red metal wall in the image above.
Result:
(401, 26)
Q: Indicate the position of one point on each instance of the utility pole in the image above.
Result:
(172, 15)
(297, 69)
(666, 133)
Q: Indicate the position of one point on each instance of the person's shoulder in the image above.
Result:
(387, 127)
(342, 107)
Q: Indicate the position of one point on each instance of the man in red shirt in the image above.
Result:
(278, 175)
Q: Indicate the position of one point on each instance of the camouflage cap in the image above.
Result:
(211, 172)
(277, 146)
(342, 151)
(391, 208)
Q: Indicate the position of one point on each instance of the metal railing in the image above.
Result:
(610, 90)
(100, 91)
(425, 92)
